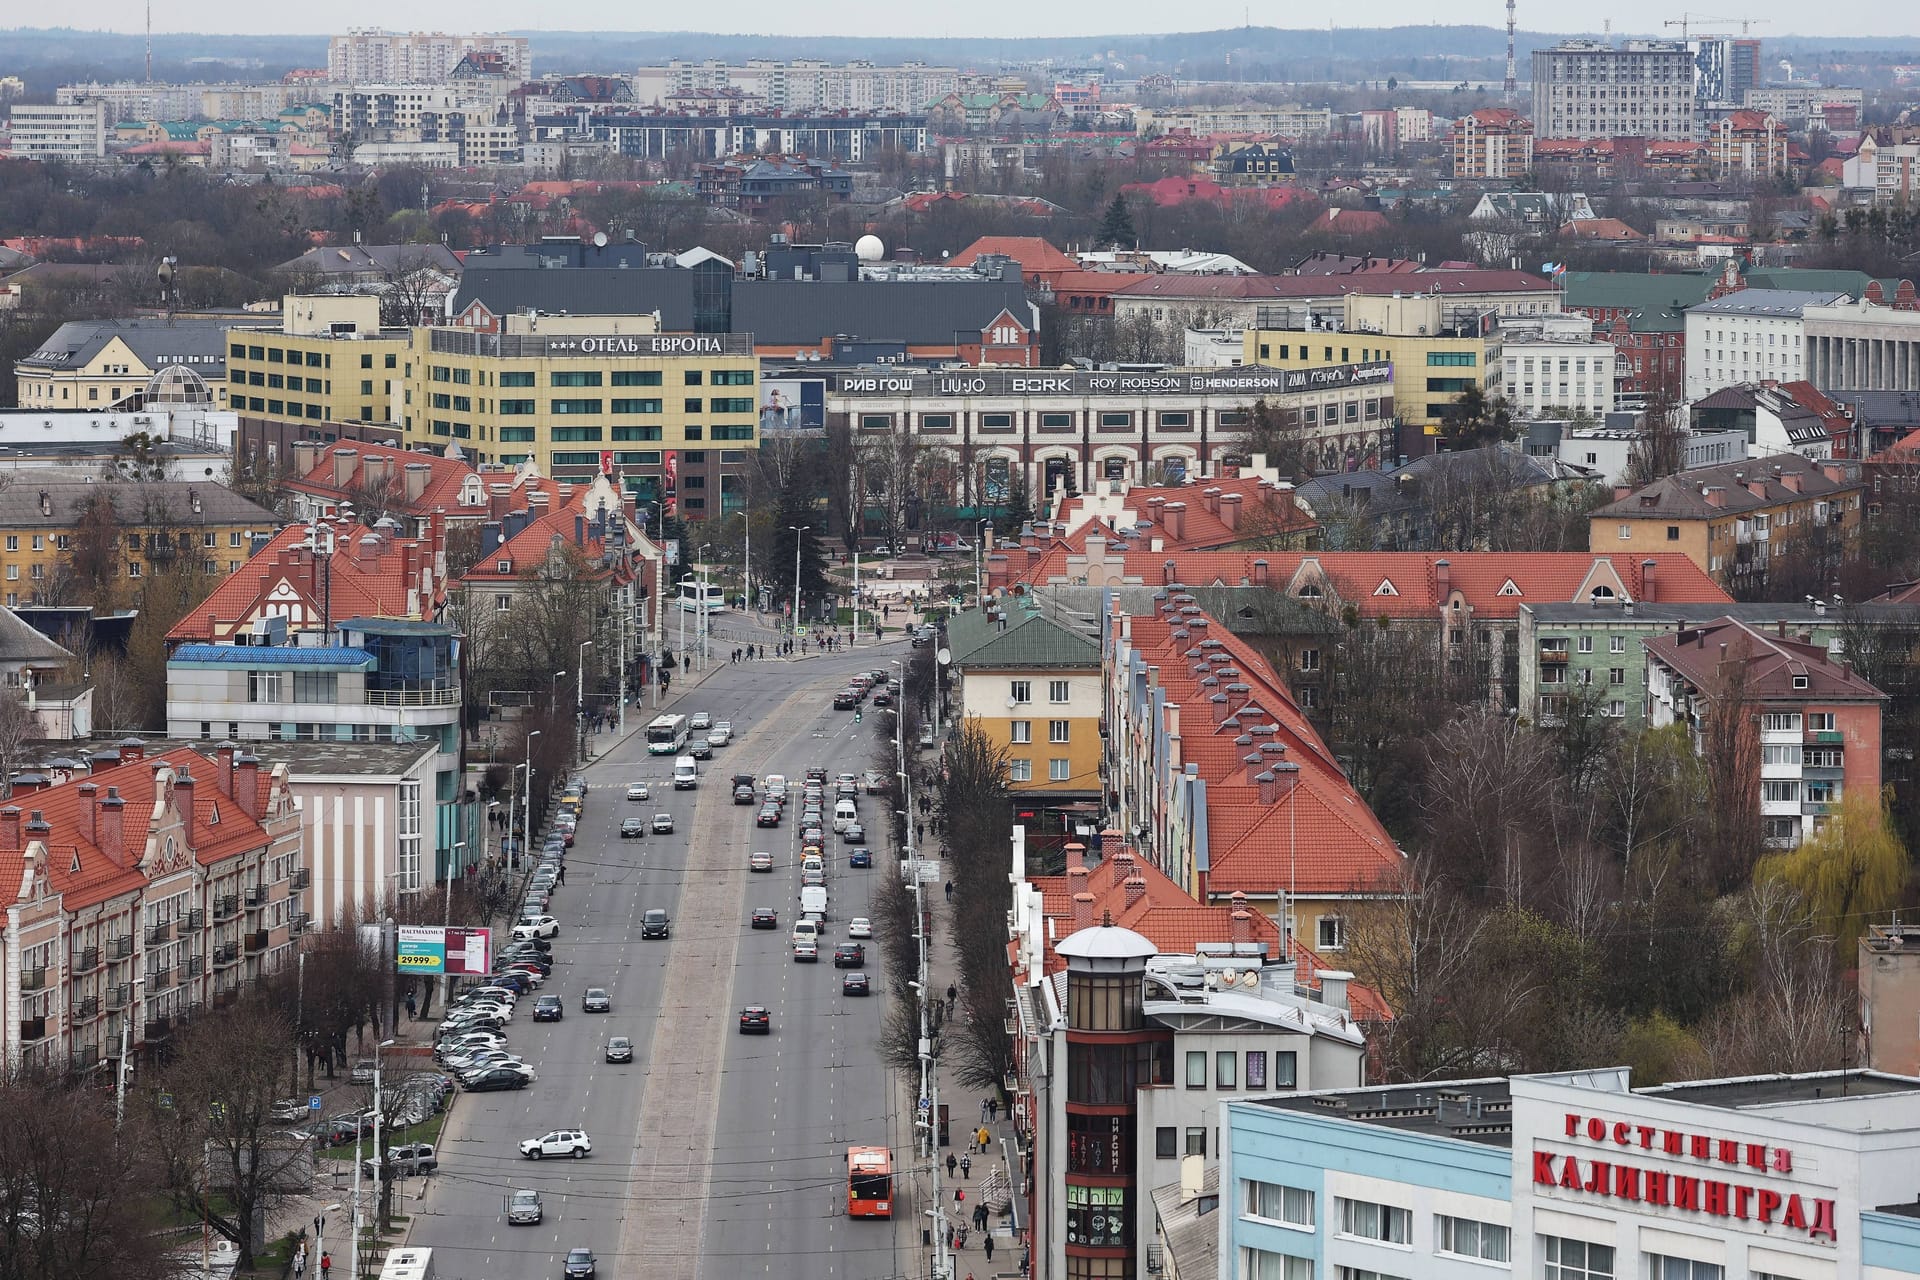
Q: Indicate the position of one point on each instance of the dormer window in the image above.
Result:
(1801, 682)
(506, 566)
(1510, 588)
(1310, 591)
(1602, 593)
(1386, 588)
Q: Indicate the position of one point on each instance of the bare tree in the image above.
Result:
(17, 729)
(1795, 1015)
(1730, 750)
(1489, 784)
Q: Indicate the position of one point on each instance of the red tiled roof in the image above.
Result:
(84, 872)
(1266, 511)
(354, 582)
(1096, 282)
(570, 523)
(1034, 253)
(1698, 653)
(442, 490)
(1600, 229)
(1350, 222)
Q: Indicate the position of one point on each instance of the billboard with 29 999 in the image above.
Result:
(433, 951)
(793, 404)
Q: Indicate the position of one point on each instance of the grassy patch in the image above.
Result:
(427, 1130)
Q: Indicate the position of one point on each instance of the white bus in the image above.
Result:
(695, 598)
(667, 735)
(408, 1264)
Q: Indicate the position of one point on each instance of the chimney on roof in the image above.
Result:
(1649, 580)
(1122, 867)
(1758, 488)
(375, 472)
(132, 749)
(1259, 573)
(1242, 925)
(1443, 579)
(1791, 480)
(579, 530)
(1082, 911)
(1253, 764)
(1334, 984)
(1076, 856)
(112, 826)
(183, 789)
(1136, 888)
(246, 787)
(1176, 514)
(1269, 786)
(223, 768)
(418, 473)
(1230, 510)
(1110, 843)
(306, 456)
(344, 461)
(10, 828)
(89, 811)
(1210, 498)
(499, 499)
(38, 828)
(1713, 495)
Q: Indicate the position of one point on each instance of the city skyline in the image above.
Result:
(870, 18)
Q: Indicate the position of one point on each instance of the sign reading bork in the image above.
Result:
(1693, 1193)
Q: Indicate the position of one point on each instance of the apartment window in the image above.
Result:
(636, 378)
(1196, 1069)
(1616, 644)
(1277, 1203)
(638, 404)
(1332, 933)
(733, 378)
(1470, 1239)
(1780, 791)
(1021, 690)
(1196, 1142)
(1626, 532)
(1022, 731)
(574, 435)
(1616, 675)
(1780, 722)
(1615, 710)
(1258, 1264)
(1057, 731)
(1309, 659)
(315, 686)
(576, 407)
(1226, 1069)
(1166, 1143)
(1059, 770)
(577, 379)
(263, 686)
(1586, 644)
(13, 542)
(1387, 1223)
(1057, 691)
(1019, 771)
(1820, 722)
(502, 603)
(526, 379)
(515, 407)
(1575, 1259)
(1673, 533)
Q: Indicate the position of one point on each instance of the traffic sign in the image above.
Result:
(313, 1102)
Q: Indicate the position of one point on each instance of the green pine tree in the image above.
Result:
(1116, 226)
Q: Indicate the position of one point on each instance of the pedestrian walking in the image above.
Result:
(412, 1010)
(988, 1243)
(949, 891)
(985, 1137)
(993, 1110)
(560, 874)
(951, 1162)
(959, 1195)
(983, 1108)
(953, 993)
(966, 1166)
(300, 1260)
(326, 1265)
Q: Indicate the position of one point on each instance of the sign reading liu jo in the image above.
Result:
(432, 950)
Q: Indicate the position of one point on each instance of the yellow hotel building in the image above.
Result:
(329, 361)
(1030, 678)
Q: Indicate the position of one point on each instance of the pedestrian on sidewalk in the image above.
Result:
(993, 1110)
(949, 891)
(966, 1166)
(988, 1241)
(326, 1265)
(953, 993)
(560, 874)
(984, 1137)
(412, 1009)
(300, 1260)
(983, 1108)
(959, 1195)
(951, 1162)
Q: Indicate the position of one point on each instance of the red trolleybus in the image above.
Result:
(869, 1182)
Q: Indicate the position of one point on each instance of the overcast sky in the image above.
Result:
(890, 18)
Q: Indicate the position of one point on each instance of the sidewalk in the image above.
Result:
(966, 1112)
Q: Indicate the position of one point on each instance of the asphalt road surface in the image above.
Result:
(716, 1155)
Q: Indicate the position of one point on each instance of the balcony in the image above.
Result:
(158, 1029)
(297, 923)
(1818, 808)
(85, 1057)
(412, 697)
(196, 965)
(120, 948)
(159, 979)
(159, 933)
(33, 979)
(32, 1029)
(225, 996)
(300, 879)
(85, 959)
(256, 941)
(225, 954)
(86, 1009)
(256, 897)
(196, 919)
(1826, 738)
(226, 906)
(118, 996)
(1553, 653)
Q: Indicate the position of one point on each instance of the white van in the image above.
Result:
(686, 774)
(813, 900)
(845, 814)
(777, 786)
(806, 931)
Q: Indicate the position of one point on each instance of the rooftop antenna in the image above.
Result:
(1511, 85)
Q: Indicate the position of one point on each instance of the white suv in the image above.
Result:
(561, 1142)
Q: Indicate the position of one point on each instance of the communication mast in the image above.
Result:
(1512, 86)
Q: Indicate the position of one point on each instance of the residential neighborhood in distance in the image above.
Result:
(1323, 625)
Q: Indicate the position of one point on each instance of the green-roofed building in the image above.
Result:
(1028, 674)
(1644, 315)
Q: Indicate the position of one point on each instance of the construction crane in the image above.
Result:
(1685, 20)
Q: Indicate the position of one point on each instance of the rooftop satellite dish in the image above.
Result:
(599, 239)
(1251, 978)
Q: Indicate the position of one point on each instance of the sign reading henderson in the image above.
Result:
(1251, 380)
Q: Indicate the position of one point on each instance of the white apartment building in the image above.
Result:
(42, 132)
(1793, 103)
(1755, 335)
(138, 100)
(802, 84)
(373, 55)
(1592, 89)
(1555, 367)
(1859, 346)
(418, 112)
(1289, 121)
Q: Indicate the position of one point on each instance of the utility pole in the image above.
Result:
(799, 532)
(856, 595)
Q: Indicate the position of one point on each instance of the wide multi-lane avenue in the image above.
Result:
(715, 1154)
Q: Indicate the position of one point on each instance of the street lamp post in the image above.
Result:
(979, 559)
(446, 917)
(531, 735)
(580, 697)
(379, 1164)
(126, 1029)
(706, 635)
(799, 532)
(746, 570)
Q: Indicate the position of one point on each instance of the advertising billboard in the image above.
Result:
(793, 404)
(432, 951)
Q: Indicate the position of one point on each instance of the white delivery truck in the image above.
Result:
(686, 774)
(813, 901)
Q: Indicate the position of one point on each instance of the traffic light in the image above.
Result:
(856, 716)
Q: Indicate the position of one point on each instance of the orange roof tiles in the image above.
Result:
(1035, 254)
(1216, 513)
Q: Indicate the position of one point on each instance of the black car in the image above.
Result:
(496, 1079)
(743, 793)
(854, 984)
(756, 1020)
(580, 1264)
(849, 955)
(548, 1009)
(654, 924)
(543, 945)
(700, 749)
(620, 1048)
(632, 827)
(769, 816)
(766, 918)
